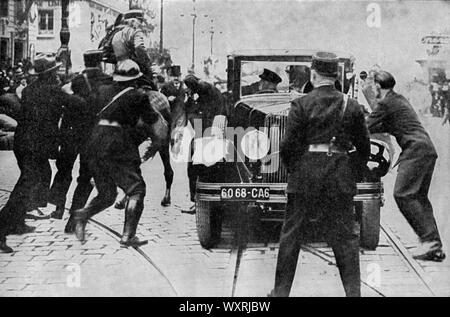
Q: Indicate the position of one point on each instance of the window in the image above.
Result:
(19, 8)
(4, 8)
(45, 21)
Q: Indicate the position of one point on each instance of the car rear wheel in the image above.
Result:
(208, 217)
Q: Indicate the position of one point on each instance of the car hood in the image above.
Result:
(276, 103)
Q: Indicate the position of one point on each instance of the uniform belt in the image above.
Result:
(323, 148)
(109, 123)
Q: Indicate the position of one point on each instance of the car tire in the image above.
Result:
(208, 218)
(370, 224)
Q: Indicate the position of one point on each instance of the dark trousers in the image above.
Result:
(64, 163)
(411, 195)
(335, 219)
(30, 191)
(194, 173)
(114, 162)
(84, 185)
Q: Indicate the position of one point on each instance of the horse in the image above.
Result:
(175, 117)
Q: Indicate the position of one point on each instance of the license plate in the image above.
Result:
(245, 193)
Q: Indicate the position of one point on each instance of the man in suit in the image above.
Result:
(36, 141)
(299, 79)
(322, 128)
(173, 89)
(268, 84)
(205, 105)
(75, 129)
(394, 115)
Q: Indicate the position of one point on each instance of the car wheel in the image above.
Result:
(208, 218)
(370, 224)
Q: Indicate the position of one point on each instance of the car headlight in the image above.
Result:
(255, 145)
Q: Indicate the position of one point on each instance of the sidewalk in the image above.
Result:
(48, 262)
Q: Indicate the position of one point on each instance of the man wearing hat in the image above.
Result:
(36, 141)
(174, 90)
(112, 151)
(394, 115)
(322, 127)
(128, 43)
(75, 129)
(267, 84)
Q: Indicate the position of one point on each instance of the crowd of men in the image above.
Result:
(103, 119)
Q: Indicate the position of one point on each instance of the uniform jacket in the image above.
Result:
(129, 43)
(42, 107)
(315, 119)
(209, 104)
(396, 116)
(86, 85)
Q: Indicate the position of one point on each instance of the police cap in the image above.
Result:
(134, 14)
(325, 64)
(92, 58)
(270, 76)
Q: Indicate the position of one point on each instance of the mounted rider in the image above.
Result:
(128, 42)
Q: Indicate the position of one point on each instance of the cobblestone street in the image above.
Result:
(51, 263)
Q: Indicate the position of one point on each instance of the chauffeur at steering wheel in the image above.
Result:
(267, 84)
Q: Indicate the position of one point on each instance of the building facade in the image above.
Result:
(88, 20)
(13, 32)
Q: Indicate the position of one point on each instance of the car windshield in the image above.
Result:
(295, 76)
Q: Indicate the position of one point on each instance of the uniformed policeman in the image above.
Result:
(394, 115)
(88, 85)
(74, 127)
(128, 43)
(113, 152)
(322, 128)
(268, 83)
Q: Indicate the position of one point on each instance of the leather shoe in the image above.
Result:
(70, 225)
(21, 229)
(4, 248)
(190, 210)
(133, 242)
(58, 213)
(36, 214)
(429, 251)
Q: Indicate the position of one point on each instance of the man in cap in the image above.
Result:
(112, 151)
(205, 106)
(267, 84)
(322, 127)
(128, 43)
(75, 128)
(36, 141)
(394, 115)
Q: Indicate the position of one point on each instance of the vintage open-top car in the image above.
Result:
(250, 177)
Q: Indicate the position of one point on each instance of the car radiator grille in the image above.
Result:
(271, 168)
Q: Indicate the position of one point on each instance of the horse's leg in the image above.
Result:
(121, 202)
(168, 173)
